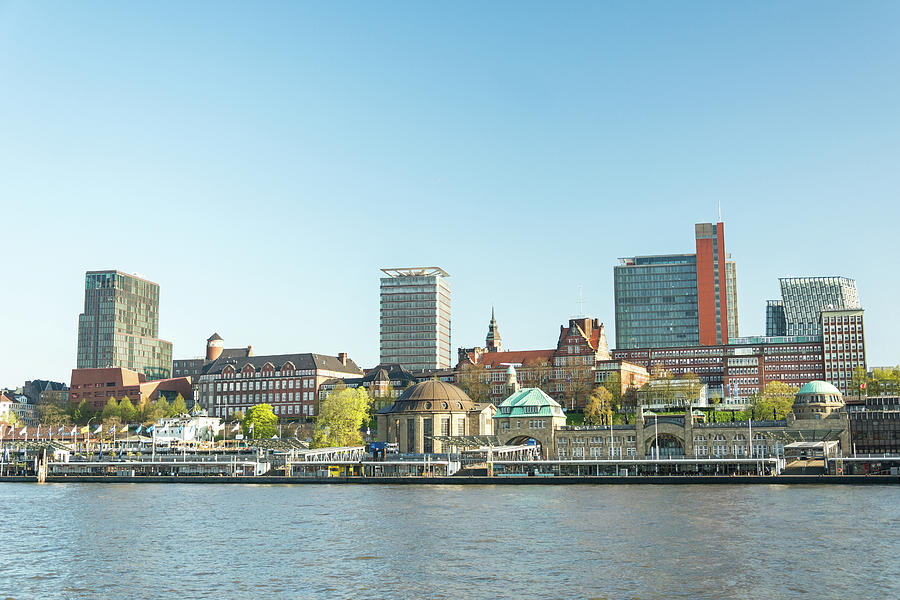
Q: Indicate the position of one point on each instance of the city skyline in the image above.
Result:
(262, 171)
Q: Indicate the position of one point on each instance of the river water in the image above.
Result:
(374, 541)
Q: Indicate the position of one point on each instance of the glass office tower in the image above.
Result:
(120, 325)
(678, 299)
(775, 321)
(656, 301)
(415, 318)
(805, 298)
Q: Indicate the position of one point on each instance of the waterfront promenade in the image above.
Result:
(467, 480)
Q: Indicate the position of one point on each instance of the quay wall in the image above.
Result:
(581, 480)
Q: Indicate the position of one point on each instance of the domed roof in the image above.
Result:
(432, 396)
(819, 387)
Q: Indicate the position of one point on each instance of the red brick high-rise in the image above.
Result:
(712, 300)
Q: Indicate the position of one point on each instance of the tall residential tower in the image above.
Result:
(120, 325)
(415, 318)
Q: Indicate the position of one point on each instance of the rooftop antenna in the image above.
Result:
(580, 301)
(720, 212)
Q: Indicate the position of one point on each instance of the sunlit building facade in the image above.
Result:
(678, 299)
(415, 318)
(120, 325)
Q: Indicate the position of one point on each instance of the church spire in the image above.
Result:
(492, 341)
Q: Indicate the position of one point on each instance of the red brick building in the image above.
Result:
(289, 382)
(567, 373)
(96, 386)
(737, 371)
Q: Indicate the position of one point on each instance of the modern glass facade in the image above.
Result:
(804, 299)
(120, 324)
(656, 301)
(415, 318)
(731, 298)
(775, 322)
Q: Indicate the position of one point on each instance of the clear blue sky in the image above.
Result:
(261, 162)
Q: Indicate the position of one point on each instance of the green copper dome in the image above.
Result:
(819, 387)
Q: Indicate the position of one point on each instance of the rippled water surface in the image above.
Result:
(368, 541)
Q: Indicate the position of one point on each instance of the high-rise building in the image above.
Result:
(678, 299)
(775, 321)
(415, 318)
(120, 325)
(805, 298)
(843, 337)
(731, 297)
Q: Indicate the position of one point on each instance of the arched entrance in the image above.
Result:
(526, 440)
(669, 446)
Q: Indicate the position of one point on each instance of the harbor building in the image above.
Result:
(818, 419)
(120, 325)
(97, 386)
(289, 382)
(428, 409)
(678, 299)
(415, 318)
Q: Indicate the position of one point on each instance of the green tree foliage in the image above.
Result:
(127, 412)
(613, 385)
(690, 386)
(662, 388)
(159, 410)
(341, 415)
(237, 417)
(598, 410)
(51, 414)
(884, 381)
(472, 379)
(263, 420)
(11, 418)
(82, 412)
(858, 382)
(110, 410)
(776, 399)
(178, 407)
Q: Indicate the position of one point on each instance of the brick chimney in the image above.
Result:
(342, 356)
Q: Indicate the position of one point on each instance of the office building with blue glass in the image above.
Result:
(678, 299)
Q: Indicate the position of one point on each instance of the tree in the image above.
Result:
(691, 387)
(472, 379)
(341, 415)
(11, 418)
(237, 417)
(263, 420)
(579, 382)
(661, 388)
(127, 412)
(110, 410)
(776, 400)
(178, 406)
(157, 411)
(82, 412)
(613, 385)
(51, 414)
(858, 382)
(598, 410)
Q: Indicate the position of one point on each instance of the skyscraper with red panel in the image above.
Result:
(712, 289)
